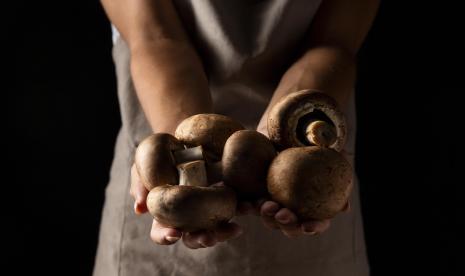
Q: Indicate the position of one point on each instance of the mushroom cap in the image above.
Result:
(190, 208)
(313, 182)
(155, 162)
(246, 158)
(209, 131)
(284, 118)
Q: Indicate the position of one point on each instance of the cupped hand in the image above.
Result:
(275, 216)
(163, 235)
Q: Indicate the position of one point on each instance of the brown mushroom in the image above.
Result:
(246, 158)
(155, 162)
(313, 182)
(209, 131)
(190, 208)
(306, 118)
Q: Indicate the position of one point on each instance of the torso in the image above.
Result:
(245, 46)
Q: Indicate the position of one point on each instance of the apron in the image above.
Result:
(246, 46)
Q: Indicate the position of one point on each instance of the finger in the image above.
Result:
(163, 235)
(189, 241)
(288, 223)
(285, 216)
(134, 178)
(269, 208)
(267, 211)
(138, 191)
(315, 226)
(228, 231)
(207, 238)
(199, 239)
(269, 222)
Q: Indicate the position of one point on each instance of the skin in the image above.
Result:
(161, 52)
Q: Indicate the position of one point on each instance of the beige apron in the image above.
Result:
(245, 46)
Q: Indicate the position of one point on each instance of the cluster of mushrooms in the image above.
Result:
(298, 165)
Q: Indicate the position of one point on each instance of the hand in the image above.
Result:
(275, 216)
(165, 236)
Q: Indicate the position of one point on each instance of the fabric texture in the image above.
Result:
(245, 46)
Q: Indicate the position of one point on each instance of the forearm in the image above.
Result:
(325, 68)
(167, 73)
(170, 83)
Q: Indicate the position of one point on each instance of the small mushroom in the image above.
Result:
(246, 158)
(306, 118)
(209, 131)
(155, 162)
(313, 182)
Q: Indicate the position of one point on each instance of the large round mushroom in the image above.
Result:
(190, 208)
(313, 182)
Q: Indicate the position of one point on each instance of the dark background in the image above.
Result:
(62, 118)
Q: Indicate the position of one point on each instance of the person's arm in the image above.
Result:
(328, 65)
(171, 85)
(167, 72)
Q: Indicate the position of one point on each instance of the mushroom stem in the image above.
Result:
(320, 133)
(188, 155)
(193, 173)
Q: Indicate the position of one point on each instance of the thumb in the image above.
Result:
(139, 192)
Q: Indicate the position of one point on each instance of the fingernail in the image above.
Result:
(135, 208)
(171, 239)
(272, 212)
(281, 219)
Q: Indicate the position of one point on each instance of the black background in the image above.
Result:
(62, 118)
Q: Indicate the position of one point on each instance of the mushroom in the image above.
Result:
(209, 131)
(306, 118)
(313, 182)
(191, 208)
(155, 162)
(310, 176)
(188, 207)
(246, 158)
